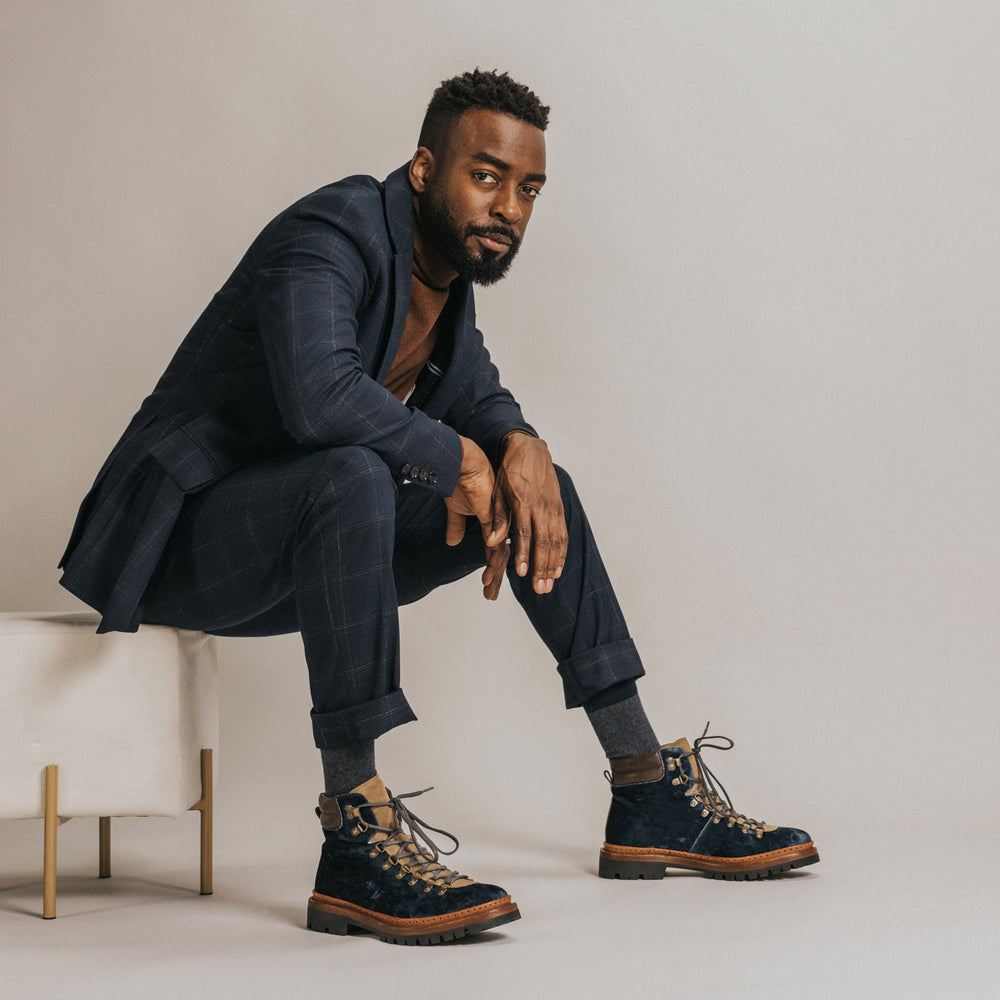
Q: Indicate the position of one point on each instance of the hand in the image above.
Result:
(473, 497)
(527, 505)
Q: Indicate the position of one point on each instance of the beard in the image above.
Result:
(451, 237)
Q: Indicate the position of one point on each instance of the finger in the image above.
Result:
(561, 546)
(496, 562)
(541, 571)
(481, 505)
(500, 525)
(455, 530)
(550, 545)
(521, 537)
(541, 574)
(486, 526)
(489, 579)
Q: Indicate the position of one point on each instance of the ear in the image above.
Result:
(421, 169)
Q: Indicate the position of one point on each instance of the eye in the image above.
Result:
(531, 192)
(484, 177)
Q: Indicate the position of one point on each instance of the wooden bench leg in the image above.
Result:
(51, 826)
(204, 805)
(104, 846)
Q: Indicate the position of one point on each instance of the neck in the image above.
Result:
(429, 266)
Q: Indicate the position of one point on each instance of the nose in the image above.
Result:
(507, 205)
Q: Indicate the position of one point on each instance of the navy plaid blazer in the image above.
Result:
(289, 357)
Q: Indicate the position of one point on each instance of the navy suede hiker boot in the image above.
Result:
(680, 820)
(379, 872)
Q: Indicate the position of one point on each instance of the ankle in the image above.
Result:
(346, 767)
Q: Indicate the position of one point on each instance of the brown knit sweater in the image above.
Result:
(419, 336)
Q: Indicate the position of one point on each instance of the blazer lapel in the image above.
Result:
(399, 223)
(456, 367)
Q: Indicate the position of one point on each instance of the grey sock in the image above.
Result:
(344, 768)
(623, 729)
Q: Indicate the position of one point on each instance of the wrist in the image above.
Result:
(515, 439)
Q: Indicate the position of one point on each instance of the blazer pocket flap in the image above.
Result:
(187, 463)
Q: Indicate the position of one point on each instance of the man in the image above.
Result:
(330, 441)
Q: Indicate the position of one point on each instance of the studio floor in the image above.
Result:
(878, 923)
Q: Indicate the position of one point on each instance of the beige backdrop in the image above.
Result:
(755, 315)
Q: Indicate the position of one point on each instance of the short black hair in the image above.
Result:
(493, 91)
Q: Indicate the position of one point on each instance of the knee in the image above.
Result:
(353, 482)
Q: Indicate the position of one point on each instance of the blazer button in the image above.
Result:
(406, 469)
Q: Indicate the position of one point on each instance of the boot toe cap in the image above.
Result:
(477, 893)
(786, 836)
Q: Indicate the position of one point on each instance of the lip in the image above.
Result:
(496, 243)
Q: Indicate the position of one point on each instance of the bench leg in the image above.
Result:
(51, 826)
(104, 846)
(204, 806)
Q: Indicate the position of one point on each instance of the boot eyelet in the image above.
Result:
(386, 866)
(441, 892)
(373, 854)
(427, 888)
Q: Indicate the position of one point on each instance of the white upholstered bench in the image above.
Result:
(120, 724)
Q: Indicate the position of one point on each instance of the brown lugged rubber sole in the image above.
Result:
(653, 862)
(336, 916)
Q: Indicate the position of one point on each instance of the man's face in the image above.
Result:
(479, 192)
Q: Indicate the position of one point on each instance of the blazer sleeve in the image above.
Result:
(311, 291)
(484, 410)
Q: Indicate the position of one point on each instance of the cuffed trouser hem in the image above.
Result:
(361, 722)
(595, 670)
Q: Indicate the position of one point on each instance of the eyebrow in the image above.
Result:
(495, 161)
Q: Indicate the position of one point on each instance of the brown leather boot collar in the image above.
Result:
(329, 814)
(632, 770)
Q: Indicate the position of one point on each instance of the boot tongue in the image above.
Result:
(375, 791)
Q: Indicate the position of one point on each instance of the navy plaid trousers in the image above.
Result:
(327, 545)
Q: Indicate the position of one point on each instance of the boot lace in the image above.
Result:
(416, 853)
(706, 788)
